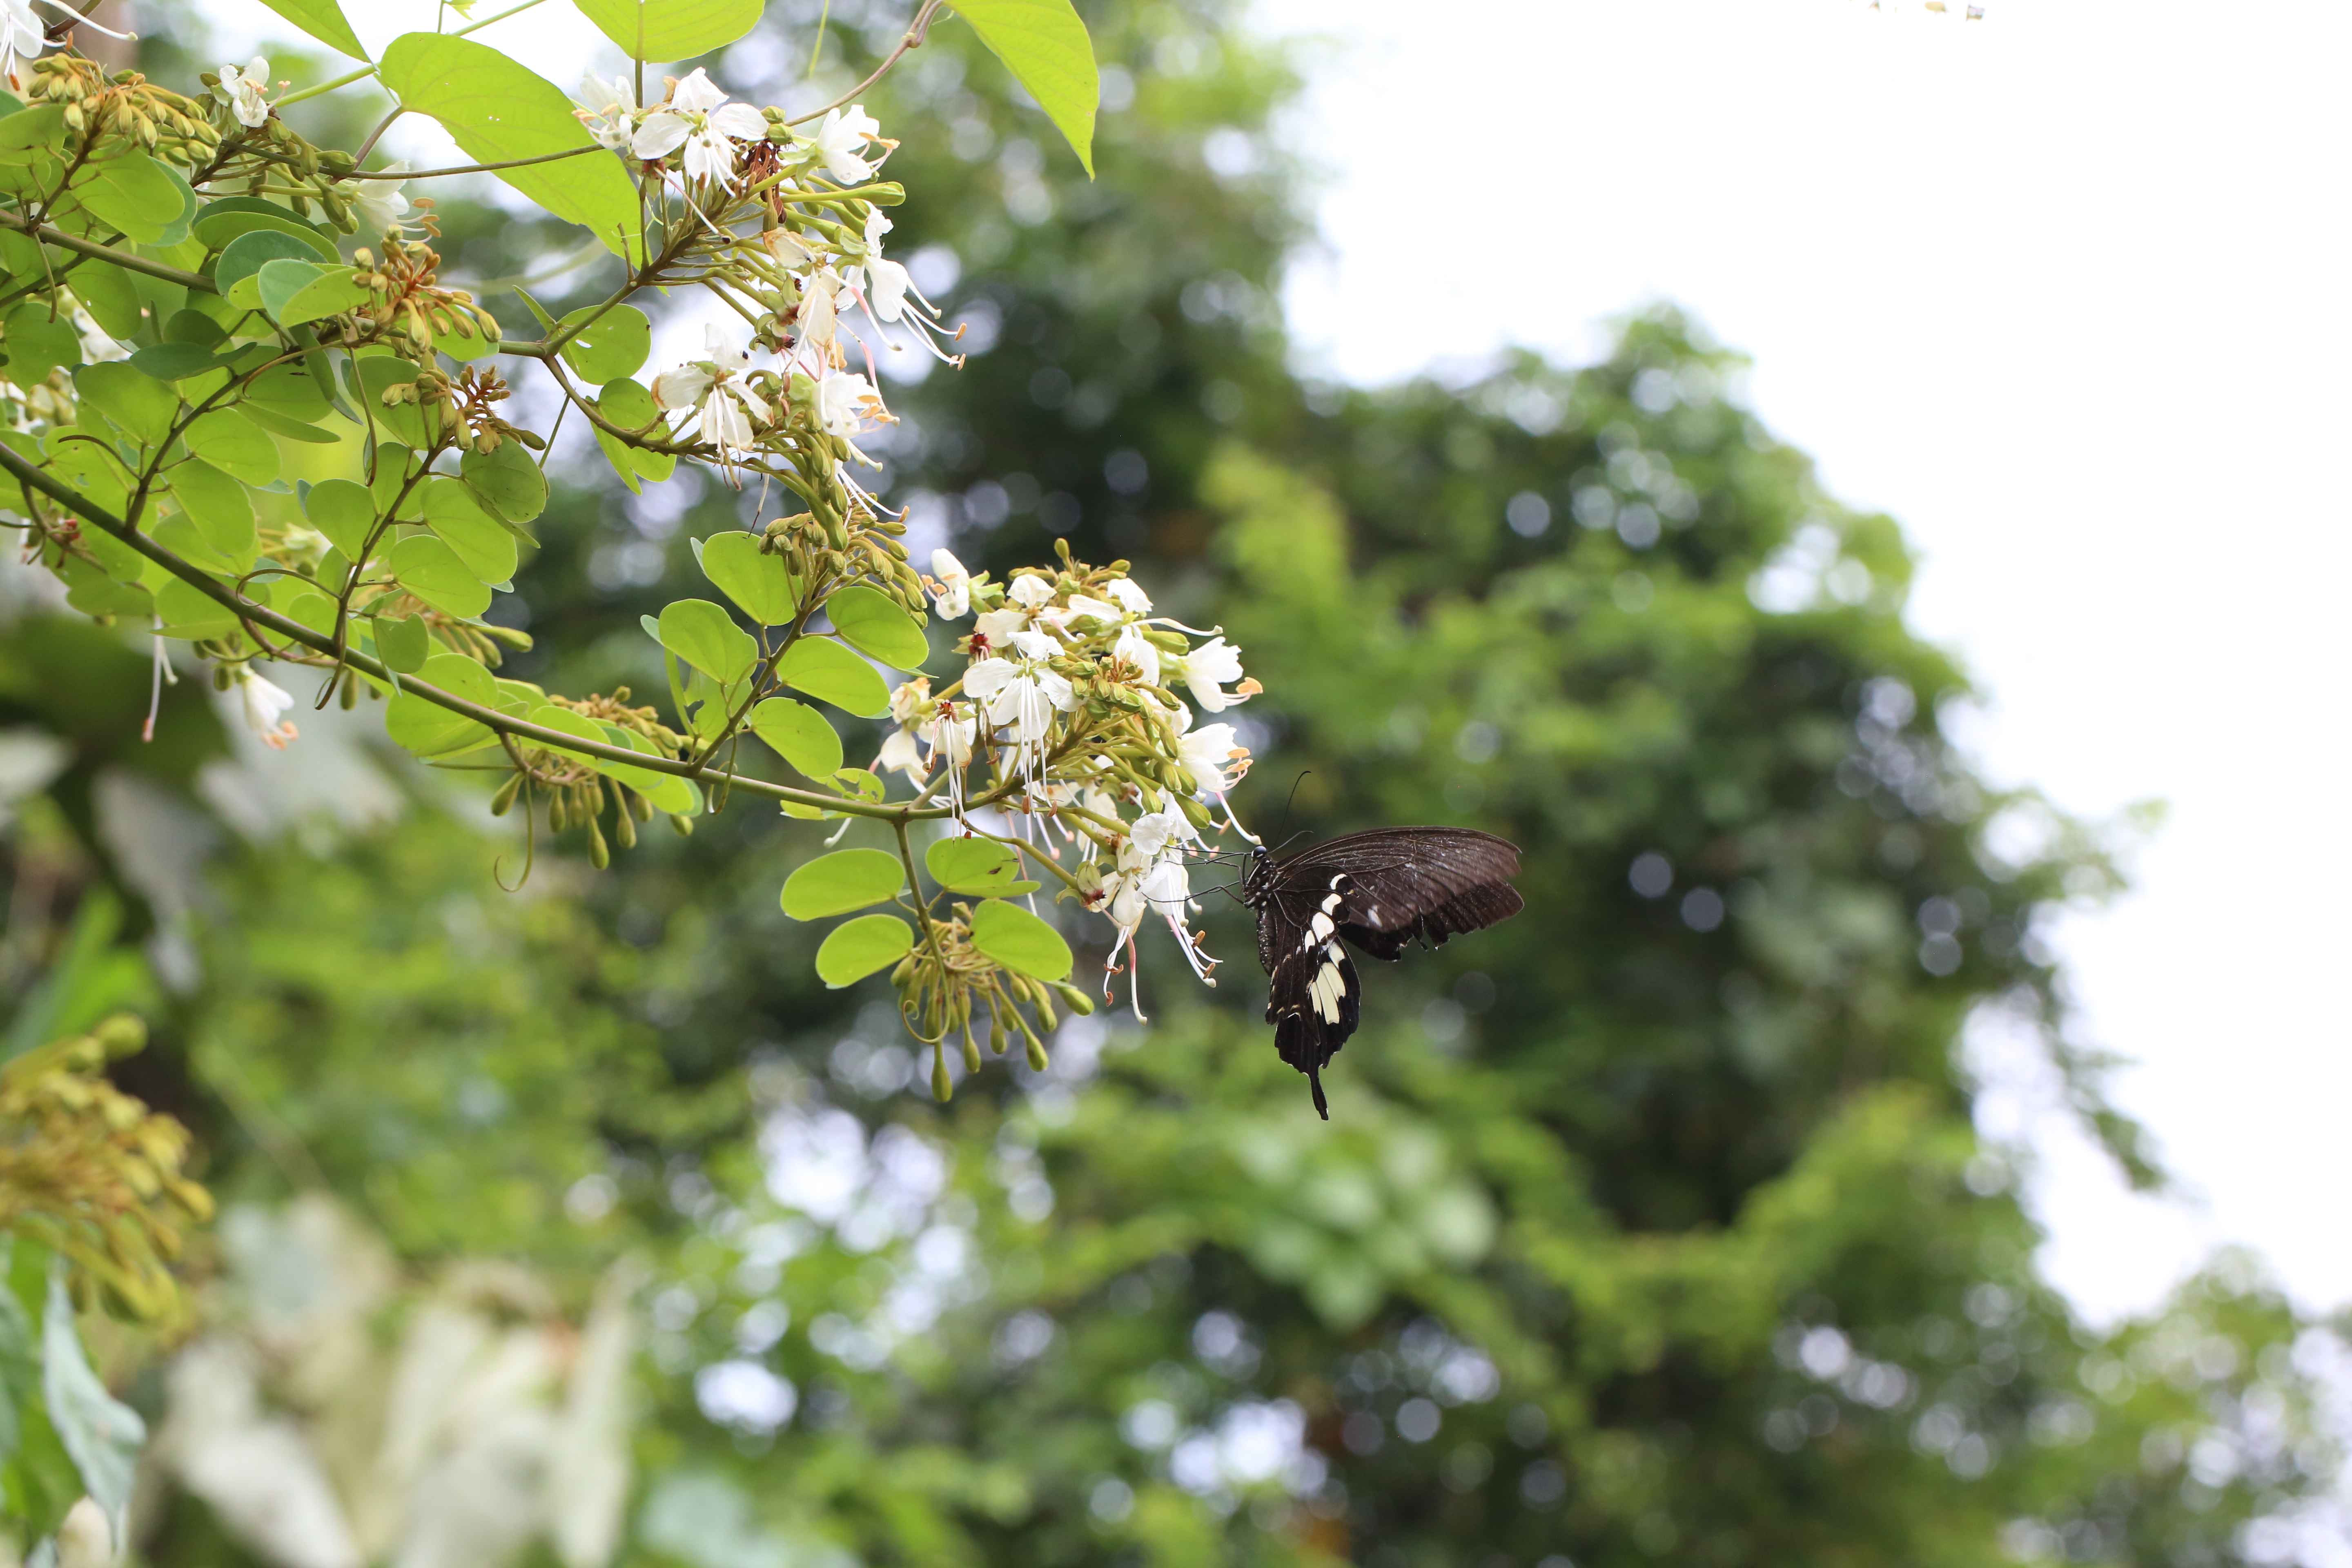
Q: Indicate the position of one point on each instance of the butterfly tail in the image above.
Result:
(1315, 1082)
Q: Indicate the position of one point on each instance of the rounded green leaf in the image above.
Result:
(175, 362)
(228, 441)
(800, 735)
(111, 296)
(671, 29)
(844, 880)
(481, 541)
(976, 866)
(403, 643)
(142, 405)
(759, 583)
(223, 222)
(630, 407)
(294, 291)
(508, 482)
(430, 731)
(289, 390)
(873, 623)
(247, 254)
(188, 612)
(1045, 46)
(217, 505)
(703, 635)
(145, 199)
(497, 111)
(38, 343)
(613, 348)
(1019, 939)
(431, 570)
(342, 511)
(377, 372)
(864, 945)
(831, 673)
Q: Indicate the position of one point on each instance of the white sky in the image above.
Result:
(2062, 289)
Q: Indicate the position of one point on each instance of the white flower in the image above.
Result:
(378, 203)
(1130, 597)
(608, 109)
(996, 627)
(682, 387)
(841, 139)
(909, 697)
(726, 422)
(845, 402)
(1030, 642)
(265, 703)
(1081, 607)
(791, 251)
(1153, 834)
(1023, 698)
(950, 586)
(819, 319)
(949, 735)
(1209, 755)
(22, 34)
(1207, 669)
(1134, 649)
(898, 751)
(1030, 591)
(245, 88)
(700, 118)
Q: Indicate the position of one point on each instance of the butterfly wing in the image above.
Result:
(1377, 891)
(1414, 884)
(1314, 995)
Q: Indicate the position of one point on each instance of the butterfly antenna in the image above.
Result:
(1304, 773)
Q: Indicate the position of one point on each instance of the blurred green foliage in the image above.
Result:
(1650, 1225)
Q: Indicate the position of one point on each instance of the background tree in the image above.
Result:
(1650, 1225)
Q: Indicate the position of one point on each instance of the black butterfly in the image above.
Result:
(1377, 891)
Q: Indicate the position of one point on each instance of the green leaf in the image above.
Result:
(432, 571)
(631, 406)
(799, 734)
(857, 784)
(430, 731)
(507, 481)
(873, 623)
(223, 222)
(142, 405)
(37, 345)
(103, 1435)
(1019, 939)
(236, 272)
(759, 583)
(342, 511)
(218, 506)
(112, 298)
(862, 946)
(976, 866)
(497, 111)
(548, 716)
(279, 424)
(613, 348)
(175, 362)
(671, 29)
(667, 791)
(844, 880)
(481, 541)
(144, 198)
(1045, 46)
(831, 673)
(403, 643)
(294, 292)
(188, 613)
(289, 390)
(229, 441)
(702, 633)
(323, 20)
(376, 373)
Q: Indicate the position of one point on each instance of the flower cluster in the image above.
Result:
(1067, 708)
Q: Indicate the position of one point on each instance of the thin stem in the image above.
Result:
(344, 80)
(375, 135)
(502, 17)
(91, 247)
(464, 168)
(913, 39)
